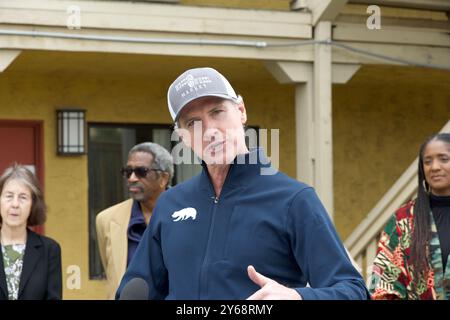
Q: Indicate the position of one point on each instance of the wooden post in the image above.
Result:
(323, 171)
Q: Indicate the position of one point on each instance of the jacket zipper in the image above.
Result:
(203, 287)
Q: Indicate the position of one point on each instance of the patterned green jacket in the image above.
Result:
(392, 272)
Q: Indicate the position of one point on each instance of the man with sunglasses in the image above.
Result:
(240, 229)
(148, 172)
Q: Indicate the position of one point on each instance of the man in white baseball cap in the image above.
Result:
(231, 232)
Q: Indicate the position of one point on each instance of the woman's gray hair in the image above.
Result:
(162, 159)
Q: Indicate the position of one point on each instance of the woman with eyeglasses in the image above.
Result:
(413, 253)
(30, 264)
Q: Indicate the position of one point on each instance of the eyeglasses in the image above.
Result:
(140, 172)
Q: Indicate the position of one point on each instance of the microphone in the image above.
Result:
(135, 289)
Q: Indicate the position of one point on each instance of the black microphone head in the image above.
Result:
(135, 289)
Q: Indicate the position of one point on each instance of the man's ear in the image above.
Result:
(164, 180)
(243, 111)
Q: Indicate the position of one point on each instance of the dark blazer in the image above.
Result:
(41, 277)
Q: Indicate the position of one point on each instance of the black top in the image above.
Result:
(441, 213)
(41, 277)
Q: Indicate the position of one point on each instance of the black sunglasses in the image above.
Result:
(140, 172)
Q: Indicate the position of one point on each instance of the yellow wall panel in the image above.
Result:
(117, 89)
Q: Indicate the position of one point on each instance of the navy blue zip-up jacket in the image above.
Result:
(272, 222)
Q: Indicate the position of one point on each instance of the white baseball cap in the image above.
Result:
(197, 83)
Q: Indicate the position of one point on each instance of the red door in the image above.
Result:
(22, 142)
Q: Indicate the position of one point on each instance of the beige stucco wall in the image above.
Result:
(119, 89)
(380, 118)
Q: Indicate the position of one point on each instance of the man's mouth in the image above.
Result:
(134, 189)
(215, 146)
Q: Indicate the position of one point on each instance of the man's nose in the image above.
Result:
(133, 177)
(210, 130)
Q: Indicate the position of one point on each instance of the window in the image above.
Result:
(108, 152)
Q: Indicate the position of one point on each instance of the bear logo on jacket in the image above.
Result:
(184, 214)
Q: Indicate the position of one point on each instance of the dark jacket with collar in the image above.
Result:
(198, 246)
(41, 277)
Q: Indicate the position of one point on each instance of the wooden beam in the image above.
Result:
(424, 55)
(438, 5)
(288, 72)
(323, 134)
(116, 15)
(32, 42)
(7, 57)
(371, 252)
(389, 34)
(154, 9)
(412, 24)
(325, 10)
(301, 74)
(304, 131)
(341, 73)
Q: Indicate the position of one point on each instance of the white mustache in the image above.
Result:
(135, 186)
